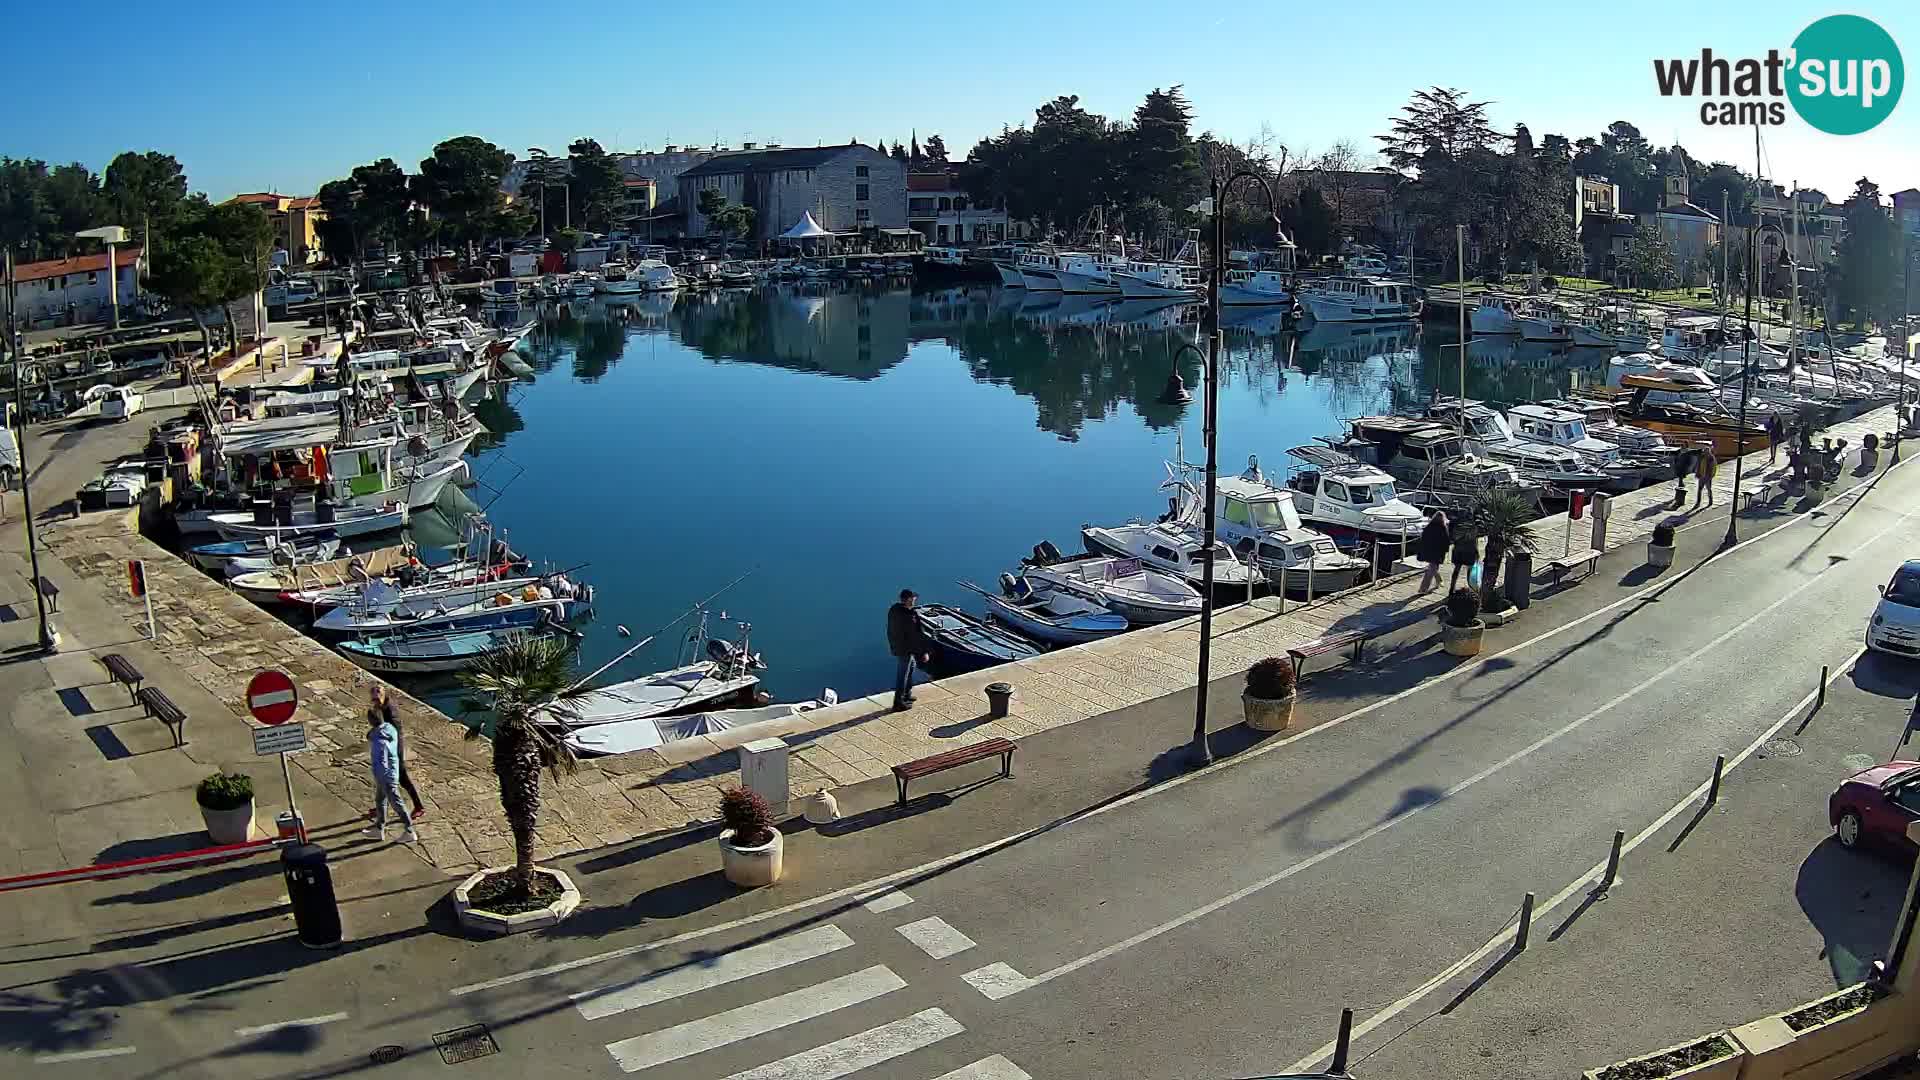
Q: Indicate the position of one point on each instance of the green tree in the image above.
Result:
(1437, 123)
(23, 206)
(547, 179)
(599, 188)
(1501, 518)
(1649, 263)
(528, 679)
(194, 272)
(382, 198)
(935, 151)
(340, 229)
(460, 183)
(898, 153)
(146, 192)
(726, 218)
(1866, 262)
(1311, 221)
(245, 238)
(566, 241)
(1158, 160)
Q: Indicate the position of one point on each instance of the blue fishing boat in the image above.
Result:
(1056, 618)
(960, 642)
(437, 651)
(312, 547)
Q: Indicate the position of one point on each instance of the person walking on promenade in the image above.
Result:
(383, 745)
(1466, 552)
(1434, 540)
(379, 709)
(1703, 469)
(907, 643)
(1682, 468)
(1776, 434)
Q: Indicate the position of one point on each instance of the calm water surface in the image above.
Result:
(841, 443)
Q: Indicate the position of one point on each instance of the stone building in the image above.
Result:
(847, 189)
(1690, 230)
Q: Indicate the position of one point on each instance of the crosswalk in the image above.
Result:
(799, 985)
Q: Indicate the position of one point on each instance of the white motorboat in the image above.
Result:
(467, 608)
(285, 554)
(1562, 469)
(1262, 524)
(1433, 460)
(1559, 427)
(1255, 288)
(1359, 299)
(1072, 272)
(1178, 548)
(1158, 280)
(415, 582)
(581, 286)
(656, 276)
(1010, 275)
(1544, 322)
(1349, 499)
(1049, 616)
(616, 279)
(1124, 586)
(343, 521)
(269, 552)
(1364, 265)
(1496, 315)
(629, 736)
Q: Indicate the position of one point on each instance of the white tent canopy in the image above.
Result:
(805, 229)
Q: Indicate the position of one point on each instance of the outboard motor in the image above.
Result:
(1048, 552)
(722, 652)
(1008, 584)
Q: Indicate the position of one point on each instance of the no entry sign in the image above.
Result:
(271, 697)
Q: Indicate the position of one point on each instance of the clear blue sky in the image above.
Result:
(286, 96)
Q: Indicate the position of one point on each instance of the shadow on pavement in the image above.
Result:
(186, 885)
(1852, 898)
(1886, 676)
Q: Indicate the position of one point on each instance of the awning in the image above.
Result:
(805, 229)
(899, 232)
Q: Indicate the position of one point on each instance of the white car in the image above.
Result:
(1895, 626)
(120, 403)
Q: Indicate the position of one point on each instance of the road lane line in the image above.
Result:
(758, 1018)
(84, 1055)
(888, 900)
(987, 1068)
(697, 975)
(843, 1057)
(1521, 754)
(871, 886)
(264, 1029)
(1584, 883)
(936, 937)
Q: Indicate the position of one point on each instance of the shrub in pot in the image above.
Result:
(750, 846)
(1461, 630)
(1870, 451)
(226, 806)
(1660, 547)
(1268, 698)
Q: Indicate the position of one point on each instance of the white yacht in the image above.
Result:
(1540, 321)
(1264, 528)
(655, 276)
(1159, 281)
(1177, 548)
(1365, 266)
(1358, 299)
(617, 280)
(1560, 427)
(1349, 499)
(1036, 269)
(1255, 288)
(1610, 328)
(1496, 315)
(1072, 272)
(1486, 433)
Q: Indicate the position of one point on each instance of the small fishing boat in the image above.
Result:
(730, 674)
(959, 642)
(1125, 586)
(267, 586)
(268, 552)
(1055, 618)
(514, 602)
(1178, 548)
(1350, 500)
(627, 736)
(438, 650)
(344, 522)
(413, 581)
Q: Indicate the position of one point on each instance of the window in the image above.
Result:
(93, 277)
(859, 193)
(946, 204)
(1166, 553)
(1334, 490)
(860, 170)
(1237, 513)
(863, 214)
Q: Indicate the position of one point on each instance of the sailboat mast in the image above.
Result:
(1793, 268)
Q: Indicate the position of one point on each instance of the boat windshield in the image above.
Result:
(1371, 494)
(1576, 431)
(1275, 514)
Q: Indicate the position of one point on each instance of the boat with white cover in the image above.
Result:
(1125, 586)
(1049, 616)
(1264, 528)
(1178, 548)
(629, 736)
(1349, 499)
(1496, 315)
(1359, 299)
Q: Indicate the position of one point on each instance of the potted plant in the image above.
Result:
(1268, 698)
(226, 805)
(1870, 451)
(1660, 547)
(1460, 631)
(1501, 517)
(750, 847)
(1713, 1057)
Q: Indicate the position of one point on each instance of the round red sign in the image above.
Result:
(271, 697)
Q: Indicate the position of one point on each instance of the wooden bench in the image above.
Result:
(1332, 643)
(161, 707)
(49, 591)
(122, 671)
(927, 766)
(1560, 567)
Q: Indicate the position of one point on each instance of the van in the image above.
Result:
(1895, 626)
(120, 403)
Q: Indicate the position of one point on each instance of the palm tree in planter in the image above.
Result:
(1501, 517)
(529, 677)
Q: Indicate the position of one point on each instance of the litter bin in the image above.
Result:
(316, 914)
(999, 699)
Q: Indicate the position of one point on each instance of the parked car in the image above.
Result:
(120, 403)
(1895, 625)
(1877, 806)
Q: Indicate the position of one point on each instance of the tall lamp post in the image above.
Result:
(1202, 753)
(1752, 273)
(1906, 347)
(47, 640)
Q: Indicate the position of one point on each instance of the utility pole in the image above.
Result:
(26, 488)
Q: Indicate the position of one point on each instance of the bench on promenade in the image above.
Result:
(49, 592)
(952, 759)
(1561, 567)
(1331, 643)
(122, 671)
(161, 708)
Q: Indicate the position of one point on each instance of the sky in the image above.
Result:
(284, 98)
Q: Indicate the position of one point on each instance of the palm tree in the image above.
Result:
(527, 678)
(1501, 517)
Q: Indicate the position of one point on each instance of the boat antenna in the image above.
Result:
(699, 606)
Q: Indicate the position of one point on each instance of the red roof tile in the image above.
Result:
(79, 264)
(260, 198)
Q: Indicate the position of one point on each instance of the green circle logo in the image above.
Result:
(1846, 76)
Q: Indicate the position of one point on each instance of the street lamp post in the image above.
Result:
(1906, 349)
(47, 641)
(1746, 391)
(1202, 753)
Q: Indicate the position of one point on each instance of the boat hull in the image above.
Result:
(958, 642)
(240, 526)
(1075, 284)
(1240, 296)
(1330, 309)
(1224, 592)
(1135, 288)
(1039, 281)
(1010, 277)
(1071, 630)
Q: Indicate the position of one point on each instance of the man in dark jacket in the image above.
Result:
(906, 643)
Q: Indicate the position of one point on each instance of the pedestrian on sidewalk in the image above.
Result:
(1466, 552)
(1682, 468)
(1776, 434)
(383, 745)
(906, 642)
(1704, 468)
(381, 709)
(1434, 541)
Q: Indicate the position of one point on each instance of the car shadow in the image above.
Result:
(1853, 899)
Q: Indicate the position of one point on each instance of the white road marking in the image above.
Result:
(997, 981)
(311, 1021)
(696, 975)
(855, 1052)
(1446, 796)
(936, 937)
(989, 1068)
(758, 1018)
(84, 1055)
(912, 873)
(1584, 883)
(888, 900)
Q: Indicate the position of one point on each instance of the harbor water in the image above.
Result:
(838, 443)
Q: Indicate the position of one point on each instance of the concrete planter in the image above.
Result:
(497, 924)
(1726, 1067)
(1268, 714)
(1659, 556)
(820, 807)
(1462, 640)
(1849, 1044)
(751, 867)
(233, 826)
(1869, 459)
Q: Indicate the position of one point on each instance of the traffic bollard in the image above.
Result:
(1713, 791)
(1613, 861)
(1525, 928)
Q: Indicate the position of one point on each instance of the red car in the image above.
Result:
(1877, 806)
